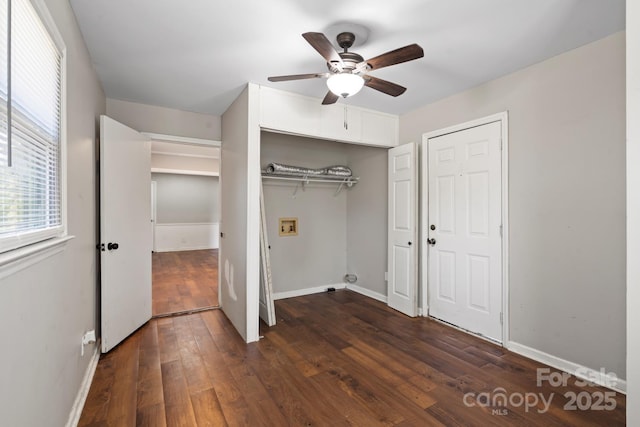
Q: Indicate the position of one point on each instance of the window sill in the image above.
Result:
(18, 259)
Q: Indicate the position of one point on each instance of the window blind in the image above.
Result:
(30, 127)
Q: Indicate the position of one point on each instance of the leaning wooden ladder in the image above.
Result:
(267, 308)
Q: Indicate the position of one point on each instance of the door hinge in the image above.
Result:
(500, 144)
(500, 230)
(501, 318)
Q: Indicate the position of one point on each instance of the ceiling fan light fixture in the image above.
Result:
(345, 84)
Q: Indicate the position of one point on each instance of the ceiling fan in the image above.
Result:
(348, 71)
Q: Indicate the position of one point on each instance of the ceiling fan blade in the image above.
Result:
(330, 98)
(384, 86)
(298, 77)
(398, 56)
(324, 47)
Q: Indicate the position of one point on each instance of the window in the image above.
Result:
(30, 128)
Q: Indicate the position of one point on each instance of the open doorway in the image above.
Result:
(185, 215)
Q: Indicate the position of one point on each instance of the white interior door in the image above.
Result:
(465, 243)
(402, 257)
(125, 230)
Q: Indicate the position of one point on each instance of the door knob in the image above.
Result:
(409, 243)
(112, 246)
(431, 241)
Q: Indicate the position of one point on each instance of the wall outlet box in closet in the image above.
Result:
(288, 227)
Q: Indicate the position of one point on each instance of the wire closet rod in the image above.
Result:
(349, 181)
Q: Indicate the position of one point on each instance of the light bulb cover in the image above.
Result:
(345, 84)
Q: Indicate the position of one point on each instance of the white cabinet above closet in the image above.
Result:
(379, 128)
(341, 122)
(297, 114)
(289, 112)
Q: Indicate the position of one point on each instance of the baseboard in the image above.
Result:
(367, 292)
(83, 392)
(307, 291)
(598, 377)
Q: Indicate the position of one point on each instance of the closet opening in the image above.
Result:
(325, 233)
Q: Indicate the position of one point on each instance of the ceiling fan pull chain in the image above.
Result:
(346, 125)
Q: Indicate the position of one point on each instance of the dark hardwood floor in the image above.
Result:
(333, 359)
(184, 281)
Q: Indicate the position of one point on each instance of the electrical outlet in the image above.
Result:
(89, 337)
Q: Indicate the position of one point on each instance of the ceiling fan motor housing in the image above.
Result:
(345, 40)
(350, 59)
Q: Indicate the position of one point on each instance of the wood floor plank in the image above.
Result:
(306, 369)
(408, 390)
(179, 411)
(356, 380)
(151, 415)
(274, 369)
(348, 404)
(97, 404)
(207, 409)
(235, 408)
(149, 381)
(167, 340)
(123, 399)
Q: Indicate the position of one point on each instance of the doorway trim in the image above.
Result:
(154, 211)
(503, 118)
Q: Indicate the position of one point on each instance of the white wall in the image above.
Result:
(567, 197)
(317, 256)
(367, 218)
(633, 213)
(187, 212)
(166, 121)
(186, 199)
(47, 308)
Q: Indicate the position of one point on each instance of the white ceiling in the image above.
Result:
(197, 55)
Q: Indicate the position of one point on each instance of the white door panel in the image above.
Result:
(125, 220)
(446, 276)
(465, 254)
(402, 256)
(402, 271)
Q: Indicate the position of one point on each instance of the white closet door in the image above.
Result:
(402, 229)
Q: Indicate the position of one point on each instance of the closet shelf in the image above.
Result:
(302, 180)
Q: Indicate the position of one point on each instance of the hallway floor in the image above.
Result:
(184, 281)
